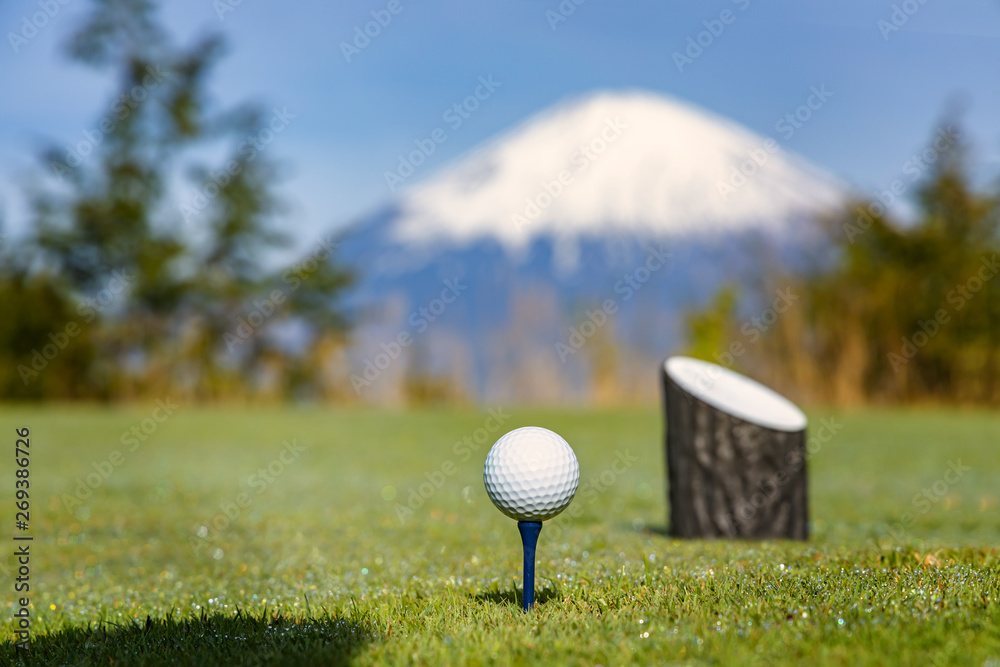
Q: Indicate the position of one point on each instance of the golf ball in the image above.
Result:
(531, 474)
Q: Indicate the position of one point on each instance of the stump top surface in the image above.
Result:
(735, 394)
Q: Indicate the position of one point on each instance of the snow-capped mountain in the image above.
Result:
(564, 206)
(633, 162)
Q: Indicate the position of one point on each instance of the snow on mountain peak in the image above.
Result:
(611, 163)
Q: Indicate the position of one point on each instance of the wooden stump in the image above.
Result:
(735, 455)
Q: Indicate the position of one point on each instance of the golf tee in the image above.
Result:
(529, 540)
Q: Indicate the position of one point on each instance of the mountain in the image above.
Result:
(567, 212)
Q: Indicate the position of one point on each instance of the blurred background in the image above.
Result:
(405, 202)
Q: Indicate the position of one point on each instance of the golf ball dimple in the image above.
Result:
(531, 474)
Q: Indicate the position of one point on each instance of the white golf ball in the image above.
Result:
(531, 474)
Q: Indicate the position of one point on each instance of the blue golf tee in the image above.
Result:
(529, 540)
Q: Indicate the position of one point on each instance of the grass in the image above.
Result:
(323, 566)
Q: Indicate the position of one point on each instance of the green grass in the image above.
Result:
(321, 569)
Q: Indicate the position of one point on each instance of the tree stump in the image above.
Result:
(735, 453)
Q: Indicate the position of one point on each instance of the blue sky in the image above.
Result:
(352, 119)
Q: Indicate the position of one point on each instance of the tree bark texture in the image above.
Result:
(730, 478)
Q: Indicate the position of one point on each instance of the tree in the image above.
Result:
(190, 259)
(900, 312)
